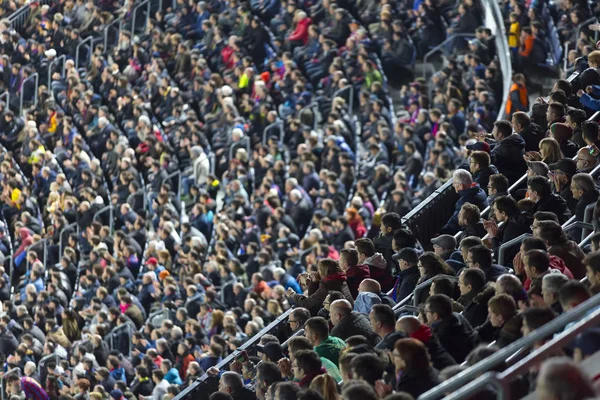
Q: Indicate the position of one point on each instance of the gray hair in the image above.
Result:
(564, 379)
(554, 282)
(232, 380)
(584, 182)
(278, 272)
(463, 177)
(295, 194)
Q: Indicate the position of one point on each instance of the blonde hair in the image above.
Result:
(550, 150)
(326, 386)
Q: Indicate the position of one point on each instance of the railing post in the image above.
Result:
(7, 95)
(35, 77)
(102, 211)
(77, 49)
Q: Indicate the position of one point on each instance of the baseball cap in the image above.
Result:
(152, 261)
(565, 165)
(479, 146)
(272, 350)
(116, 394)
(446, 242)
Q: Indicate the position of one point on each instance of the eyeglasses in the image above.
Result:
(428, 311)
(292, 322)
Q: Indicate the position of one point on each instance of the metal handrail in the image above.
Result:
(110, 209)
(17, 18)
(441, 46)
(14, 371)
(277, 124)
(7, 95)
(576, 225)
(423, 285)
(339, 92)
(110, 26)
(36, 78)
(406, 308)
(89, 42)
(178, 175)
(62, 58)
(251, 342)
(60, 237)
(582, 25)
(43, 360)
(134, 15)
(585, 241)
(499, 357)
(502, 380)
(285, 344)
(212, 162)
(111, 336)
(510, 243)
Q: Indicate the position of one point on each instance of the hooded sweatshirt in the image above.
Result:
(26, 241)
(355, 275)
(379, 271)
(365, 302)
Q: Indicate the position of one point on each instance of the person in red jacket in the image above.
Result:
(355, 273)
(300, 35)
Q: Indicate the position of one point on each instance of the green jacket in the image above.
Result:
(330, 349)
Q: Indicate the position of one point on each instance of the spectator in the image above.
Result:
(507, 155)
(559, 245)
(409, 273)
(481, 257)
(347, 322)
(469, 219)
(469, 192)
(355, 273)
(541, 194)
(413, 368)
(378, 266)
(504, 321)
(316, 330)
(474, 295)
(560, 378)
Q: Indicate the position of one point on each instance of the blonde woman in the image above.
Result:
(327, 386)
(274, 308)
(550, 151)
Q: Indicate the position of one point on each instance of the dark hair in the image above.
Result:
(540, 185)
(474, 277)
(365, 246)
(357, 390)
(404, 238)
(573, 291)
(288, 390)
(409, 255)
(538, 259)
(503, 127)
(533, 243)
(536, 317)
(319, 326)
(309, 361)
(440, 304)
(507, 205)
(482, 158)
(368, 367)
(392, 220)
(269, 372)
(443, 285)
(415, 355)
(482, 256)
(384, 314)
(589, 130)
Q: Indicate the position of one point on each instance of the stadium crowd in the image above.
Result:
(176, 181)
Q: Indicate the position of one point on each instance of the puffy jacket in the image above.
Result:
(355, 324)
(482, 177)
(556, 204)
(507, 156)
(475, 303)
(379, 271)
(301, 31)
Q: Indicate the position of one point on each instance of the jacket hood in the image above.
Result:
(423, 334)
(484, 295)
(376, 261)
(24, 233)
(365, 301)
(359, 270)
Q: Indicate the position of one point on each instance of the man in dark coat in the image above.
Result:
(530, 132)
(452, 329)
(481, 257)
(383, 322)
(468, 192)
(507, 155)
(347, 322)
(413, 328)
(409, 273)
(474, 294)
(479, 164)
(540, 191)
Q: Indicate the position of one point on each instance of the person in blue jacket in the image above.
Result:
(468, 192)
(286, 280)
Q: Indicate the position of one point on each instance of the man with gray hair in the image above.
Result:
(551, 285)
(299, 210)
(468, 192)
(286, 280)
(562, 379)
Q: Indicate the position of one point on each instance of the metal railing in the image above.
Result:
(407, 308)
(42, 369)
(350, 97)
(185, 394)
(6, 95)
(444, 47)
(36, 78)
(89, 44)
(19, 17)
(110, 210)
(485, 365)
(14, 371)
(511, 243)
(62, 58)
(134, 12)
(60, 238)
(178, 175)
(583, 25)
(110, 338)
(108, 28)
(425, 285)
(275, 126)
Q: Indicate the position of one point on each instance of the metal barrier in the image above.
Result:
(60, 238)
(107, 30)
(582, 25)
(19, 17)
(110, 216)
(7, 96)
(250, 343)
(42, 369)
(178, 175)
(509, 244)
(425, 285)
(501, 381)
(442, 47)
(61, 58)
(111, 336)
(278, 125)
(406, 309)
(35, 77)
(88, 42)
(134, 12)
(463, 378)
(350, 93)
(285, 344)
(14, 371)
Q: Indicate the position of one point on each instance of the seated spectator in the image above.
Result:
(383, 323)
(454, 332)
(316, 330)
(481, 257)
(355, 273)
(306, 366)
(504, 324)
(559, 245)
(469, 192)
(592, 266)
(531, 243)
(481, 168)
(413, 368)
(347, 322)
(329, 277)
(474, 295)
(378, 266)
(514, 223)
(551, 285)
(409, 273)
(561, 379)
(469, 219)
(540, 192)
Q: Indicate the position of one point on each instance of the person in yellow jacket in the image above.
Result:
(514, 33)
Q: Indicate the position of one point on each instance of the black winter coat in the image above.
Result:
(556, 204)
(456, 335)
(507, 156)
(355, 324)
(475, 303)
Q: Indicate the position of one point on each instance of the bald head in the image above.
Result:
(338, 310)
(369, 286)
(408, 324)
